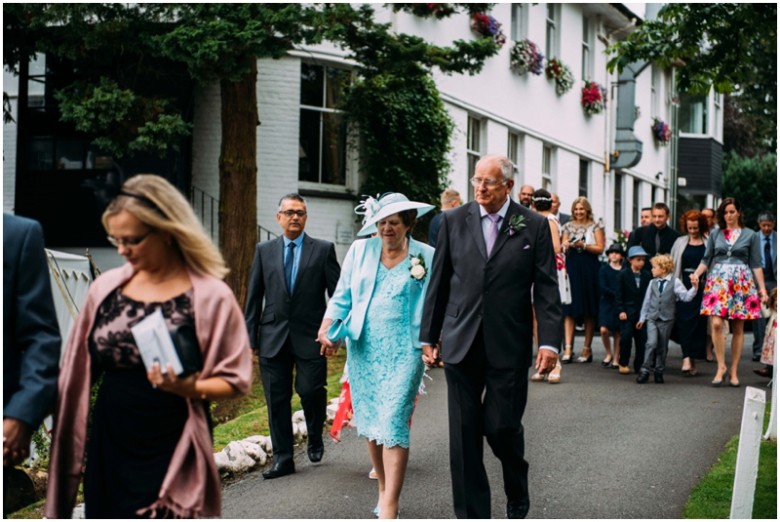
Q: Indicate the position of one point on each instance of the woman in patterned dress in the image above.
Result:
(732, 259)
(377, 305)
(583, 242)
(149, 449)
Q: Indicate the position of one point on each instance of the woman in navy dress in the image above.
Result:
(687, 252)
(583, 243)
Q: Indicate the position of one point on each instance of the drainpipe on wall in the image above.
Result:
(628, 149)
(673, 151)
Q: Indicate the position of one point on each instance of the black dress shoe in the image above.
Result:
(517, 508)
(643, 377)
(279, 470)
(659, 377)
(315, 454)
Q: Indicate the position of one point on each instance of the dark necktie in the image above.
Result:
(288, 265)
(661, 285)
(657, 241)
(769, 271)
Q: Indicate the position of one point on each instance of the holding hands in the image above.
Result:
(432, 356)
(327, 347)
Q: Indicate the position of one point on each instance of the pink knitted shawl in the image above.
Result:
(191, 487)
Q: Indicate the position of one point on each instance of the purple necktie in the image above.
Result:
(492, 234)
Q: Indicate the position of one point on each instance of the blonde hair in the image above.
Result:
(449, 196)
(582, 200)
(157, 203)
(663, 262)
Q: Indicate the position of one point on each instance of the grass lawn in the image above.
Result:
(248, 415)
(712, 497)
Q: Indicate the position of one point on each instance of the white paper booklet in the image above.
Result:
(155, 343)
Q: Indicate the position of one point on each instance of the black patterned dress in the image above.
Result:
(134, 428)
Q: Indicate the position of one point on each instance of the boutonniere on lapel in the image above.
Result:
(516, 224)
(417, 269)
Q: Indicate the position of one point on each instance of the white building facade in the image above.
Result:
(553, 142)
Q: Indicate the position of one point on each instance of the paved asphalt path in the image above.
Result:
(599, 446)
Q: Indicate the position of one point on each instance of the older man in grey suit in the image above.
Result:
(292, 273)
(31, 338)
(492, 256)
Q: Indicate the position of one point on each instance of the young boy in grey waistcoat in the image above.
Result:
(658, 311)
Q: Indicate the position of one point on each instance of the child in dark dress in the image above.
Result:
(609, 324)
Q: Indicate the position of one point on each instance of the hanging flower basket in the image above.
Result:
(564, 79)
(525, 57)
(594, 98)
(661, 131)
(488, 27)
(425, 10)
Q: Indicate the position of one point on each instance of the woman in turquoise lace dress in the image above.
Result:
(378, 307)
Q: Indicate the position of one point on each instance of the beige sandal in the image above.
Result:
(554, 377)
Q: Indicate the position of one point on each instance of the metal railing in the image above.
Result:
(206, 207)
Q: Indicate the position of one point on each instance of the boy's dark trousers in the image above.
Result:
(629, 333)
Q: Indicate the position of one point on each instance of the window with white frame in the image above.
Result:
(473, 148)
(693, 114)
(519, 27)
(322, 154)
(584, 179)
(553, 28)
(655, 81)
(587, 48)
(717, 114)
(514, 151)
(618, 201)
(548, 166)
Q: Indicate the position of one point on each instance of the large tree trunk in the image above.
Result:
(238, 179)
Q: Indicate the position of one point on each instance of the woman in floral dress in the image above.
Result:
(733, 261)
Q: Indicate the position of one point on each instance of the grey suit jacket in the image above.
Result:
(31, 335)
(469, 290)
(296, 316)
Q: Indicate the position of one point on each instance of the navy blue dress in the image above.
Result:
(691, 325)
(608, 313)
(583, 268)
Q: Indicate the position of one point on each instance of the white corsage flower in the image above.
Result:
(417, 269)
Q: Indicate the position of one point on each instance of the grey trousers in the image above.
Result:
(658, 333)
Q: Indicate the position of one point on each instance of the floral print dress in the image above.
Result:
(730, 291)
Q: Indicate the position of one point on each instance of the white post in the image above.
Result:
(747, 454)
(771, 430)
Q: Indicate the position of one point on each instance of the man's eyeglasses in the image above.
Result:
(128, 241)
(489, 183)
(291, 213)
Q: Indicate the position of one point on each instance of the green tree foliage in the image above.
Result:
(753, 181)
(405, 135)
(729, 47)
(117, 49)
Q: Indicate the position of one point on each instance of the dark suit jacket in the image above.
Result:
(297, 316)
(433, 229)
(628, 297)
(31, 336)
(645, 237)
(468, 290)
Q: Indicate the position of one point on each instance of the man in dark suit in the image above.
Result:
(490, 254)
(563, 218)
(31, 338)
(450, 199)
(657, 237)
(292, 273)
(629, 295)
(768, 250)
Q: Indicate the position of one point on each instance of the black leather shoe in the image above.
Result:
(279, 470)
(517, 508)
(643, 377)
(658, 377)
(315, 454)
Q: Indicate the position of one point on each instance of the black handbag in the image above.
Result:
(187, 348)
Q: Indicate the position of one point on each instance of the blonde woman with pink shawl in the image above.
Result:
(148, 448)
